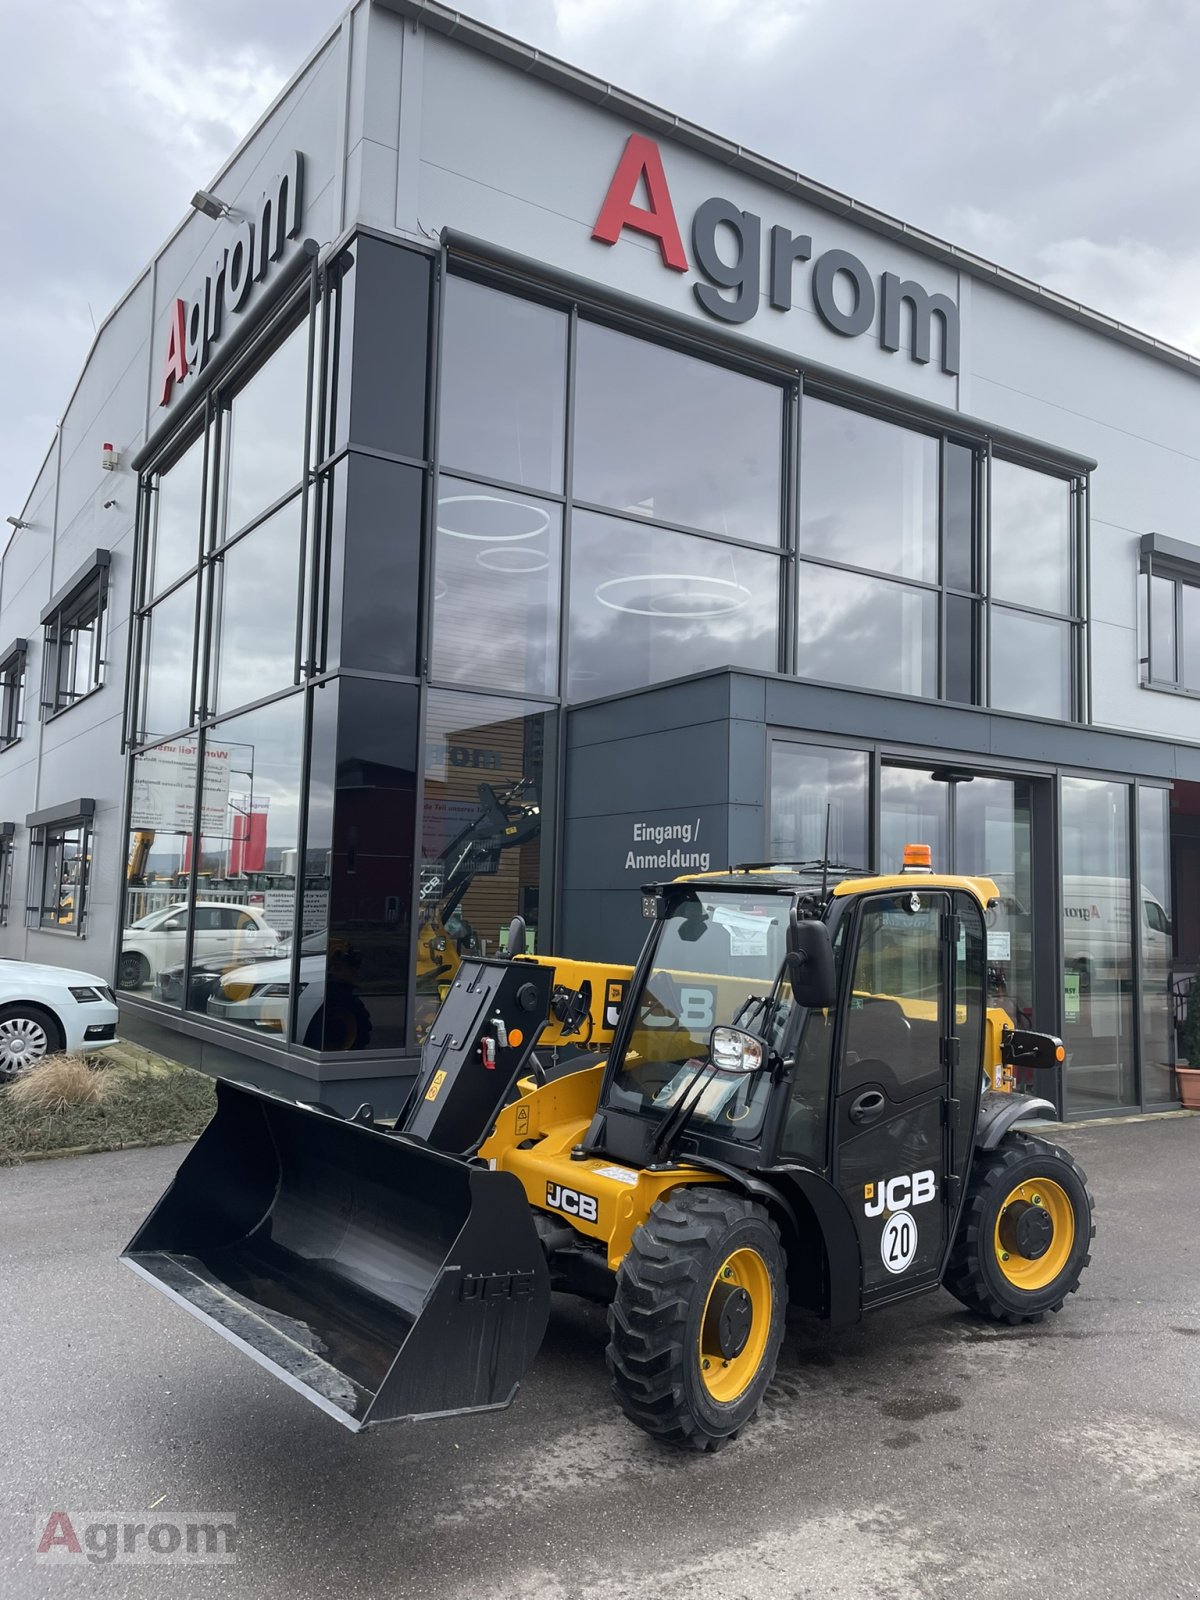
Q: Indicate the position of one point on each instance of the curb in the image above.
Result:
(1119, 1122)
(94, 1150)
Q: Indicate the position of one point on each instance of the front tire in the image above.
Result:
(696, 1321)
(27, 1036)
(133, 970)
(1026, 1229)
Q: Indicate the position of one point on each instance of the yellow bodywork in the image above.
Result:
(557, 1116)
(605, 1199)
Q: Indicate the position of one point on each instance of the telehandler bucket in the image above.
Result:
(380, 1278)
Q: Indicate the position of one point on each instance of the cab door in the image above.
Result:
(895, 1054)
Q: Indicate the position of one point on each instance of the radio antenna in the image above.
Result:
(825, 853)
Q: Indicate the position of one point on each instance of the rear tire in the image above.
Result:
(1024, 1236)
(27, 1036)
(696, 1321)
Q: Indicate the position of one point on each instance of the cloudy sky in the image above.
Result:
(1058, 137)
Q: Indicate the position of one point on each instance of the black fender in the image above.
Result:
(998, 1112)
(801, 1201)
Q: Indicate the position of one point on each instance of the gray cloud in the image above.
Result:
(1058, 139)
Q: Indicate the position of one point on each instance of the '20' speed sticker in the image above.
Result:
(899, 1244)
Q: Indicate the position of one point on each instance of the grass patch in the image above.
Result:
(107, 1102)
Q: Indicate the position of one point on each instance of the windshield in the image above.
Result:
(153, 918)
(715, 950)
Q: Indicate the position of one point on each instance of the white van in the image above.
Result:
(1096, 931)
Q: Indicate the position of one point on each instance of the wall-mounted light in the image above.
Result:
(18, 524)
(210, 205)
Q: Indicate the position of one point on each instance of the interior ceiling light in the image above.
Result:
(530, 520)
(513, 559)
(711, 597)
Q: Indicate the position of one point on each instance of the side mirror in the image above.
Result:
(811, 973)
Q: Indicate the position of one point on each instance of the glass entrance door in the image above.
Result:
(975, 825)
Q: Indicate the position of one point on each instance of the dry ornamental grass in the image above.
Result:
(59, 1082)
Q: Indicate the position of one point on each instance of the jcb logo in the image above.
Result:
(572, 1202)
(898, 1194)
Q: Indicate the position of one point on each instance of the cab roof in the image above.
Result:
(808, 877)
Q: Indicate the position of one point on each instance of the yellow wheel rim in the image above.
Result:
(726, 1377)
(1035, 1272)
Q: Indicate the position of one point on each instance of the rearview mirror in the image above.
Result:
(811, 974)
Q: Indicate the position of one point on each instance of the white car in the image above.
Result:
(256, 996)
(47, 1009)
(238, 932)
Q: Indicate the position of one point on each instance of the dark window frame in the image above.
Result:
(79, 608)
(7, 858)
(1174, 562)
(48, 836)
(12, 695)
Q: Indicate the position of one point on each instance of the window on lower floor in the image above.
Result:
(60, 860)
(76, 636)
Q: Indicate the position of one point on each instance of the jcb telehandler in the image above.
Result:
(803, 1099)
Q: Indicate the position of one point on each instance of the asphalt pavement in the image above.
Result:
(923, 1454)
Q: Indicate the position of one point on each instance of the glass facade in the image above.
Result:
(354, 645)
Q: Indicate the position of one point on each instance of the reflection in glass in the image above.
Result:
(1097, 944)
(993, 838)
(265, 455)
(961, 652)
(483, 827)
(1031, 664)
(914, 808)
(246, 889)
(254, 633)
(178, 496)
(1031, 537)
(868, 492)
(648, 604)
(361, 869)
(867, 632)
(669, 437)
(1154, 923)
(503, 386)
(1190, 597)
(154, 923)
(1163, 668)
(496, 586)
(815, 787)
(169, 637)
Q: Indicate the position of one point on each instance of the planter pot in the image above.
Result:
(1189, 1086)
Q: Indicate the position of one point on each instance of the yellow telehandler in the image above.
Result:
(797, 1097)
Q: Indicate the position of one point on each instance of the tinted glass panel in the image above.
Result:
(649, 604)
(364, 877)
(248, 857)
(994, 838)
(265, 423)
(866, 631)
(675, 439)
(868, 492)
(484, 833)
(1097, 945)
(1163, 661)
(813, 788)
(496, 586)
(958, 550)
(961, 633)
(177, 501)
(1157, 1016)
(503, 386)
(1031, 537)
(1031, 664)
(380, 397)
(1191, 636)
(375, 509)
(255, 626)
(168, 644)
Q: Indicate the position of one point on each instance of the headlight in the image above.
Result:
(731, 1050)
(274, 990)
(85, 995)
